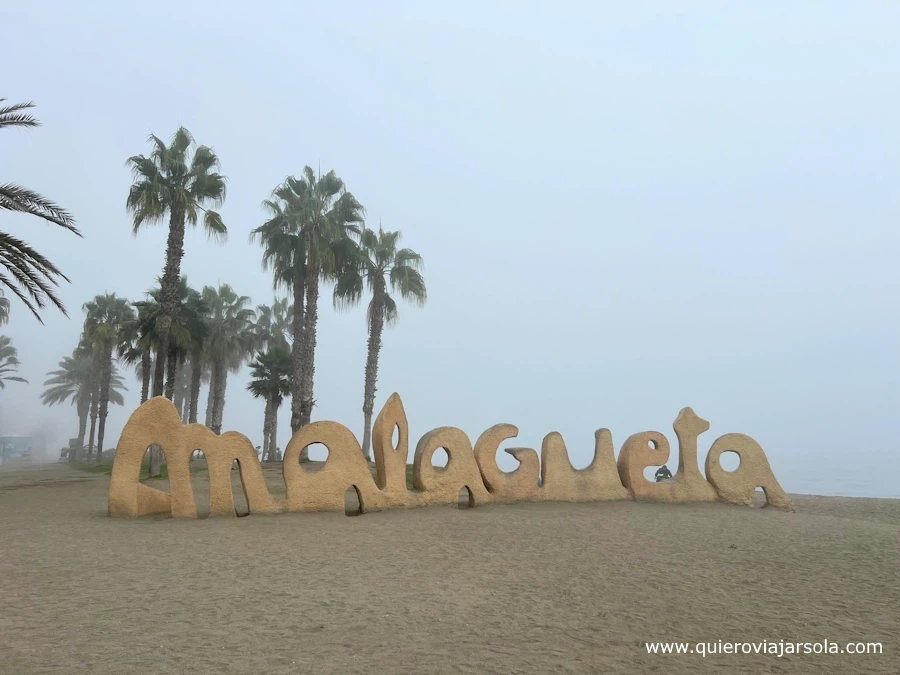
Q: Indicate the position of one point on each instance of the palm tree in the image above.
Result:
(284, 252)
(379, 259)
(270, 381)
(188, 325)
(136, 343)
(173, 181)
(311, 220)
(32, 277)
(4, 308)
(197, 327)
(183, 390)
(73, 381)
(186, 329)
(9, 363)
(273, 324)
(106, 315)
(271, 328)
(188, 303)
(230, 341)
(95, 354)
(203, 365)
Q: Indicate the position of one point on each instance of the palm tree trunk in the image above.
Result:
(298, 329)
(105, 377)
(184, 390)
(91, 436)
(159, 372)
(179, 404)
(376, 327)
(146, 364)
(84, 409)
(273, 441)
(219, 399)
(196, 374)
(178, 398)
(171, 370)
(309, 346)
(267, 420)
(95, 397)
(211, 397)
(156, 455)
(155, 461)
(169, 292)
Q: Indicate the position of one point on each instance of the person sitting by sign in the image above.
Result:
(663, 473)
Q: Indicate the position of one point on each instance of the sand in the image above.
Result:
(526, 588)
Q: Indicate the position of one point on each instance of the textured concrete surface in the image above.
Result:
(598, 481)
(442, 485)
(157, 422)
(754, 471)
(390, 461)
(473, 473)
(651, 448)
(518, 485)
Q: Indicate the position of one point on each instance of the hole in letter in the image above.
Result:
(730, 461)
(466, 498)
(352, 502)
(440, 458)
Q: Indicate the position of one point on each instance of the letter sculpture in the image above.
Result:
(552, 478)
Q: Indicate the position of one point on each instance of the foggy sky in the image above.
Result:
(624, 208)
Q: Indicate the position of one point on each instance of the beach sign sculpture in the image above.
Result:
(471, 469)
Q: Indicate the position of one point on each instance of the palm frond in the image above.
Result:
(348, 290)
(410, 284)
(12, 115)
(31, 277)
(390, 313)
(9, 364)
(210, 187)
(160, 153)
(204, 159)
(406, 257)
(17, 198)
(18, 120)
(74, 380)
(181, 141)
(34, 277)
(214, 227)
(146, 202)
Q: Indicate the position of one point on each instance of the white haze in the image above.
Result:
(624, 208)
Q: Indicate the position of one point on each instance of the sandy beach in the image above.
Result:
(527, 588)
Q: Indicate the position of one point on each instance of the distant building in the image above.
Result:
(15, 449)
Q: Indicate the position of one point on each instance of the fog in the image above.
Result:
(624, 209)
